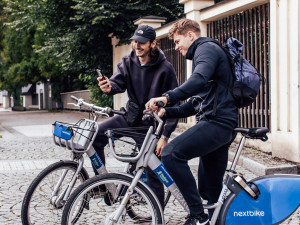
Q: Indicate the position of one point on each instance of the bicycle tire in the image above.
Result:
(108, 209)
(225, 207)
(33, 214)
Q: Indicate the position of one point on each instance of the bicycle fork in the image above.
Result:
(101, 169)
(115, 216)
(59, 201)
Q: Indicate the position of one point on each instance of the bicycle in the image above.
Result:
(247, 203)
(48, 192)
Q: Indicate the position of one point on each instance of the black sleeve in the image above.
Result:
(118, 80)
(181, 111)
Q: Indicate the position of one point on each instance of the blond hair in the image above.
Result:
(182, 26)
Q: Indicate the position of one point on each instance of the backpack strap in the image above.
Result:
(217, 95)
(215, 102)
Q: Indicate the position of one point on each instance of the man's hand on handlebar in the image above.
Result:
(152, 105)
(104, 85)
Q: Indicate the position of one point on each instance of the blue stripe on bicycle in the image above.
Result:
(163, 174)
(96, 161)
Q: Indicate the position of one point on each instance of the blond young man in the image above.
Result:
(211, 137)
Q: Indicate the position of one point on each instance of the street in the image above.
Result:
(26, 147)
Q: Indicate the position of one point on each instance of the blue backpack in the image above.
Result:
(246, 78)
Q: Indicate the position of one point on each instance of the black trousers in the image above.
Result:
(209, 140)
(101, 141)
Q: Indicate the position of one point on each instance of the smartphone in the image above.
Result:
(100, 74)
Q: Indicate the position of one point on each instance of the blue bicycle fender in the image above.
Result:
(279, 198)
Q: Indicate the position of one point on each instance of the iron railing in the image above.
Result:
(177, 60)
(252, 28)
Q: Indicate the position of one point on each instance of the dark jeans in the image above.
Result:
(101, 141)
(210, 140)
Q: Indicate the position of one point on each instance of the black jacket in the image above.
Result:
(209, 62)
(145, 82)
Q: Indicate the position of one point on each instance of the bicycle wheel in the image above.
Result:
(36, 207)
(101, 209)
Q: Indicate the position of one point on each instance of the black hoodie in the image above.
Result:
(209, 62)
(145, 82)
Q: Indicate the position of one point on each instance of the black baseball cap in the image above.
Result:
(143, 34)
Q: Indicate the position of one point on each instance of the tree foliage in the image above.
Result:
(58, 40)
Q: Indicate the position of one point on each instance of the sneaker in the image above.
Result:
(201, 219)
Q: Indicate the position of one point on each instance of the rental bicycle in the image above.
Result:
(265, 200)
(48, 192)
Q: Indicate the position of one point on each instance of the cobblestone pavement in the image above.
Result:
(23, 156)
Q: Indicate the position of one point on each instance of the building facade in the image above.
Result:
(269, 30)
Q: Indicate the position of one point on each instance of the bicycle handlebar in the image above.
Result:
(106, 110)
(160, 104)
(74, 98)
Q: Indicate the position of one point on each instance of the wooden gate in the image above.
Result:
(252, 28)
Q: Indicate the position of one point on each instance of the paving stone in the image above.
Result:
(23, 158)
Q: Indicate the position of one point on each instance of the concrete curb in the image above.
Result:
(260, 169)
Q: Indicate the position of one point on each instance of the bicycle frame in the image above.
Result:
(84, 136)
(146, 157)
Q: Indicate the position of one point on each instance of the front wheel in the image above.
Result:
(38, 205)
(102, 208)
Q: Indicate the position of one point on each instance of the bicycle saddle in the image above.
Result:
(254, 133)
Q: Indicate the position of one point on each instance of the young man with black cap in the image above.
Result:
(144, 73)
(211, 137)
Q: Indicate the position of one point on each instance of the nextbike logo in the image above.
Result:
(249, 213)
(68, 133)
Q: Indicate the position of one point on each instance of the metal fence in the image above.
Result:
(177, 60)
(252, 28)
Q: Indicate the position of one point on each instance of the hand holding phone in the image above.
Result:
(100, 74)
(104, 83)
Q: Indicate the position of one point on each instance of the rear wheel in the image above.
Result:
(101, 208)
(38, 205)
(225, 208)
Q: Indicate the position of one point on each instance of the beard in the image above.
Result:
(142, 52)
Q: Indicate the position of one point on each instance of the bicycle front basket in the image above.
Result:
(62, 131)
